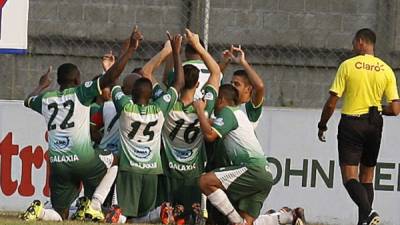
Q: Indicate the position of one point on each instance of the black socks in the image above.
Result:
(360, 195)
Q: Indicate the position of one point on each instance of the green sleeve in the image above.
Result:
(119, 98)
(87, 91)
(167, 101)
(254, 112)
(170, 78)
(35, 103)
(210, 95)
(225, 121)
(158, 91)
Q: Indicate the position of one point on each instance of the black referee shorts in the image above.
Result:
(359, 140)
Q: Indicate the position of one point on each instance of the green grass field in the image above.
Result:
(12, 219)
(7, 218)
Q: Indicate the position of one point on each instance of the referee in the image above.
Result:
(362, 81)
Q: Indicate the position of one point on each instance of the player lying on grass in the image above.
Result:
(72, 159)
(248, 181)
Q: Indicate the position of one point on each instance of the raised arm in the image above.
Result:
(107, 61)
(255, 79)
(211, 64)
(226, 58)
(169, 64)
(44, 82)
(156, 61)
(176, 43)
(116, 69)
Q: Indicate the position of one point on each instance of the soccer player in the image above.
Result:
(248, 181)
(192, 58)
(72, 159)
(140, 124)
(362, 81)
(249, 85)
(183, 142)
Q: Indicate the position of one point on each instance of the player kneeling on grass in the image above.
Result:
(248, 181)
(184, 145)
(140, 125)
(73, 161)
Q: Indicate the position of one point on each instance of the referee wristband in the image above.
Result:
(322, 127)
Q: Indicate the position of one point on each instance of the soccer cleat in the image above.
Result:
(179, 216)
(81, 205)
(93, 215)
(166, 213)
(114, 214)
(33, 211)
(373, 218)
(298, 216)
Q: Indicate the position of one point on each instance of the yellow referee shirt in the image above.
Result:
(362, 81)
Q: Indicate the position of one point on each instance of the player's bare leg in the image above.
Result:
(211, 186)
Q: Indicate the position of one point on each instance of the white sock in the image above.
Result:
(49, 215)
(283, 217)
(114, 200)
(104, 187)
(122, 219)
(220, 200)
(152, 217)
(266, 220)
(203, 204)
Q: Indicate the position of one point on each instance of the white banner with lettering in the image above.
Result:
(306, 171)
(14, 26)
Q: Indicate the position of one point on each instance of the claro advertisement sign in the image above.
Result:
(306, 171)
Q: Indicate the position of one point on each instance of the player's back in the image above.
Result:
(111, 129)
(183, 141)
(68, 126)
(140, 135)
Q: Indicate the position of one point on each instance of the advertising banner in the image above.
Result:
(306, 172)
(14, 26)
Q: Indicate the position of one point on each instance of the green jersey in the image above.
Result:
(67, 114)
(253, 112)
(235, 129)
(140, 131)
(183, 141)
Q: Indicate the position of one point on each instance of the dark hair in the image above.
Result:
(191, 74)
(243, 74)
(366, 35)
(142, 88)
(189, 50)
(67, 73)
(229, 92)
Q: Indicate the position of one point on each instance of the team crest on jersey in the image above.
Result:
(167, 97)
(209, 96)
(219, 122)
(88, 83)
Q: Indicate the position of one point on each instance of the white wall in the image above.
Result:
(286, 134)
